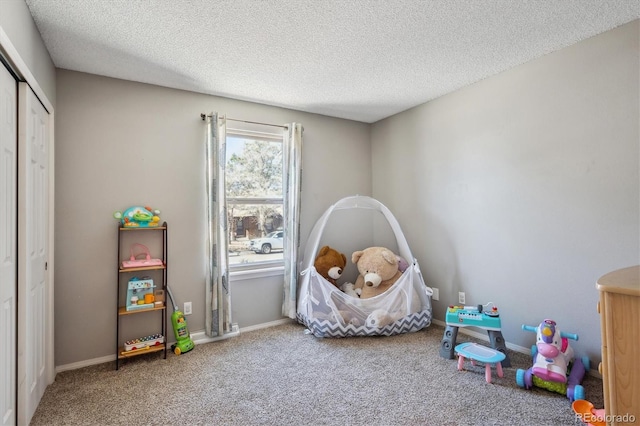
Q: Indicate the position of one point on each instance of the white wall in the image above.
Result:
(121, 143)
(523, 189)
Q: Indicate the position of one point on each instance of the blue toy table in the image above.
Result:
(469, 316)
(476, 352)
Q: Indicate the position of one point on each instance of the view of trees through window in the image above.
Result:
(254, 198)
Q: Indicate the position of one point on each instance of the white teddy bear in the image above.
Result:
(349, 288)
(380, 318)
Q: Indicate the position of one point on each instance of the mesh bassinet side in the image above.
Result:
(328, 312)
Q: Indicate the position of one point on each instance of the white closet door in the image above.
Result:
(33, 174)
(8, 243)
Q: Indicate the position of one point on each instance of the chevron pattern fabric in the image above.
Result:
(323, 328)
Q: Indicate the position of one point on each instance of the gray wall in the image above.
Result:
(523, 189)
(16, 22)
(120, 143)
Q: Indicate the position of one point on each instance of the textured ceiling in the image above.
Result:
(362, 60)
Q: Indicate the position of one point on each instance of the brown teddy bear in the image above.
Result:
(378, 267)
(330, 264)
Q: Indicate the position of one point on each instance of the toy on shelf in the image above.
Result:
(473, 316)
(134, 262)
(554, 366)
(142, 344)
(140, 294)
(139, 217)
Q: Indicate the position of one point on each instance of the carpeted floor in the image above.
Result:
(283, 376)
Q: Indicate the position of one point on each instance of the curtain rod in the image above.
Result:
(204, 117)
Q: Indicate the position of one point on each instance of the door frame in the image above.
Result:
(19, 67)
(9, 233)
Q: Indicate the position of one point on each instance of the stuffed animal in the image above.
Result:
(344, 317)
(330, 264)
(378, 267)
(343, 312)
(403, 265)
(350, 289)
(381, 318)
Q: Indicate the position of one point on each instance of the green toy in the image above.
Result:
(139, 217)
(180, 330)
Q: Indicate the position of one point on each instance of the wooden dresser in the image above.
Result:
(619, 309)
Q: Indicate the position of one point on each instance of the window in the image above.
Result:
(254, 198)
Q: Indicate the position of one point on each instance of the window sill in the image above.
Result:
(249, 274)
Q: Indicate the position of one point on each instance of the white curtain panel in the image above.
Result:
(218, 306)
(292, 159)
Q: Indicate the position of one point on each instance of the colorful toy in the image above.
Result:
(588, 413)
(136, 251)
(138, 217)
(473, 316)
(138, 292)
(143, 342)
(181, 331)
(476, 352)
(554, 366)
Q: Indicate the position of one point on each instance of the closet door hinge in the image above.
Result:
(46, 264)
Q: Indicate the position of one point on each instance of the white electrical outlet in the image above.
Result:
(461, 298)
(436, 293)
(187, 308)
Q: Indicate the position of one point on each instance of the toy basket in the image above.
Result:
(328, 312)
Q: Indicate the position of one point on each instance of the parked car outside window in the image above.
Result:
(264, 245)
(254, 174)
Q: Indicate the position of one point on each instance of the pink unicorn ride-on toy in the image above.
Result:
(554, 366)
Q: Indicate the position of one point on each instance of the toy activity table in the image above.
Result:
(473, 316)
(476, 352)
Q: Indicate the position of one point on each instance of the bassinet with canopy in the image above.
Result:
(328, 312)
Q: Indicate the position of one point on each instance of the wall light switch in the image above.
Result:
(187, 308)
(436, 293)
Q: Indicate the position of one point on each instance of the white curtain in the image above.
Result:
(218, 319)
(218, 315)
(292, 159)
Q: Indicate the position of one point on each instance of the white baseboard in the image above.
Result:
(85, 363)
(201, 337)
(267, 324)
(198, 338)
